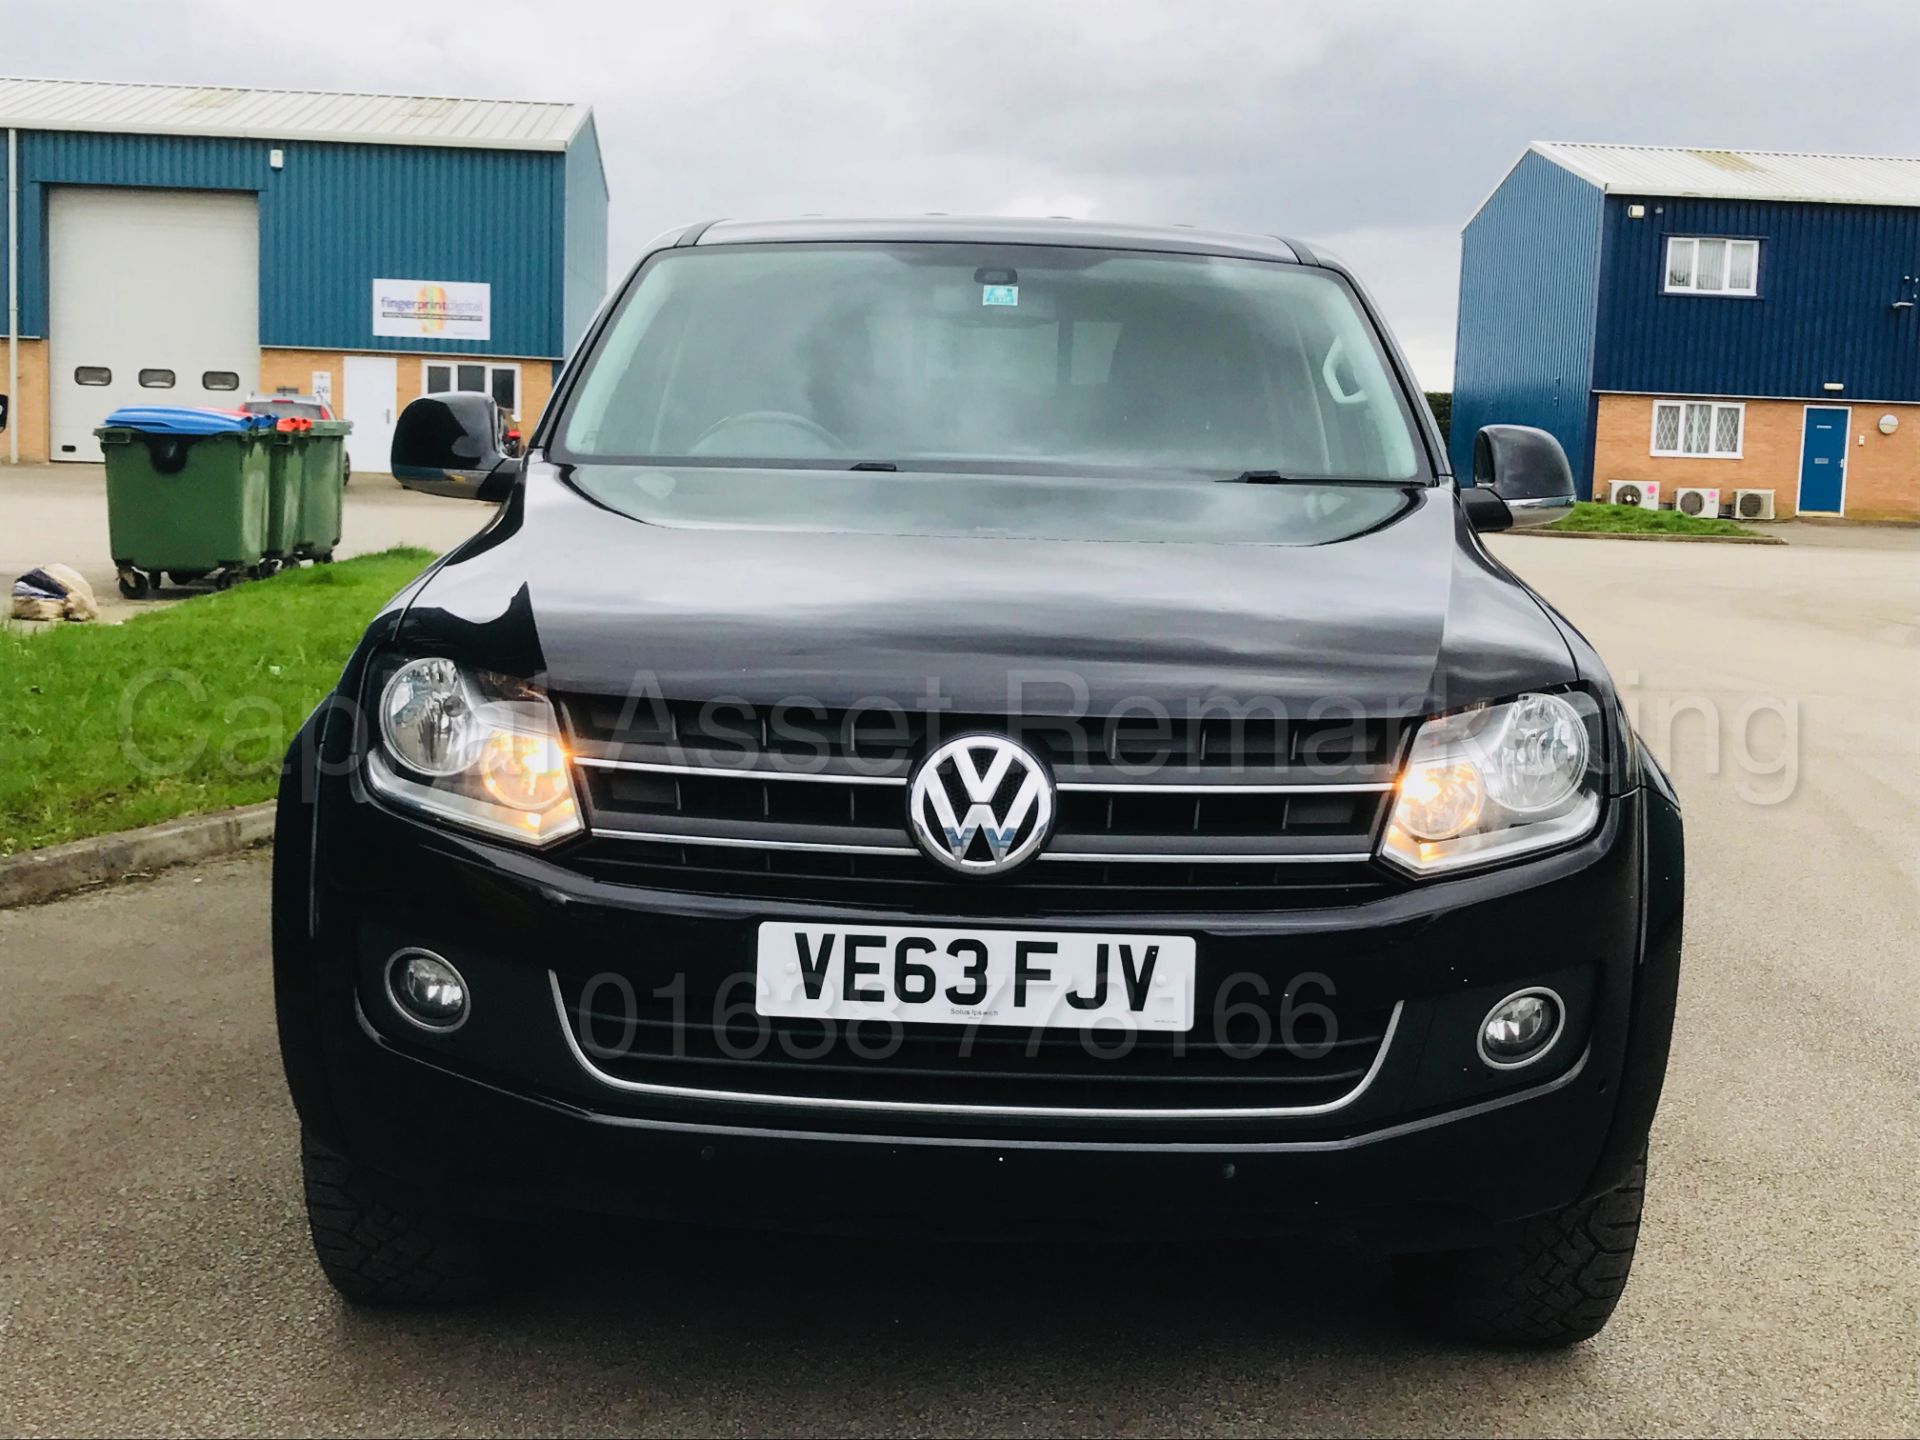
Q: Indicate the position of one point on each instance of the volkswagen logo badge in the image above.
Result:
(981, 805)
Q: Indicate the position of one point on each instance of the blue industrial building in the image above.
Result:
(176, 244)
(1701, 324)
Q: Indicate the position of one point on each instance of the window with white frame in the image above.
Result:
(1702, 265)
(1698, 427)
(500, 381)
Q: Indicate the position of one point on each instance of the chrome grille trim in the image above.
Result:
(696, 796)
(735, 772)
(912, 1107)
(1211, 858)
(1118, 857)
(1099, 787)
(732, 842)
(1090, 787)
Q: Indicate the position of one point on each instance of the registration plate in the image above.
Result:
(1033, 978)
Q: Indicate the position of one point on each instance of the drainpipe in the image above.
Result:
(13, 296)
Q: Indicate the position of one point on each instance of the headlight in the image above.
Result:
(477, 749)
(1496, 782)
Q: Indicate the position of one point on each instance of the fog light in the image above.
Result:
(1520, 1029)
(427, 991)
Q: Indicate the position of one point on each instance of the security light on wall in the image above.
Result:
(276, 159)
(1636, 212)
(1833, 387)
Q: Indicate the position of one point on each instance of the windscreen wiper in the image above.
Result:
(1280, 477)
(883, 465)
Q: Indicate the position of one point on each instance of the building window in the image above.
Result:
(1698, 427)
(93, 375)
(156, 379)
(1698, 265)
(219, 380)
(502, 382)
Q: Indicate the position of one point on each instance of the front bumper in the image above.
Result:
(1435, 1150)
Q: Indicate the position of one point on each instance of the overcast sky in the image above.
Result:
(1374, 129)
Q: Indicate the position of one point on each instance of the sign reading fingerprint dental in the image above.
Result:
(433, 309)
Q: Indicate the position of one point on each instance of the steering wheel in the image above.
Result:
(775, 420)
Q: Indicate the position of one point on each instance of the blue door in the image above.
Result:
(1823, 459)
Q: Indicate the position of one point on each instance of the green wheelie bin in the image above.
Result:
(317, 531)
(187, 495)
(286, 477)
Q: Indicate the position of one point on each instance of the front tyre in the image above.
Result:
(1553, 1282)
(381, 1245)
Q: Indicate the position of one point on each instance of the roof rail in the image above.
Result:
(1304, 252)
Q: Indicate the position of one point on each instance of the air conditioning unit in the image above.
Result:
(1753, 504)
(1698, 500)
(1643, 493)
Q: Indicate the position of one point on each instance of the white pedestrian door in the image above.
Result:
(368, 387)
(154, 299)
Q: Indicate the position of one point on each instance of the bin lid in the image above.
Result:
(186, 420)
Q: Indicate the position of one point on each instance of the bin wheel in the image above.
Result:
(135, 584)
(224, 580)
(324, 558)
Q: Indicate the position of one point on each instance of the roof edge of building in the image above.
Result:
(1577, 157)
(557, 133)
(294, 136)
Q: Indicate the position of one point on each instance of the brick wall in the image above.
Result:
(27, 411)
(536, 381)
(296, 367)
(1883, 471)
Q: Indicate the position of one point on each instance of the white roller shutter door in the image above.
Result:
(165, 282)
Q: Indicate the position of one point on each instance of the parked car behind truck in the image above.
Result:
(304, 407)
(982, 728)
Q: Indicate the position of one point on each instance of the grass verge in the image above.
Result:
(108, 727)
(1594, 518)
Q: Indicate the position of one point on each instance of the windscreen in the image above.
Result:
(984, 358)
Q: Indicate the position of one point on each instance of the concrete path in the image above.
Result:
(59, 513)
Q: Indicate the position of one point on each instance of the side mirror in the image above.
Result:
(449, 444)
(1520, 479)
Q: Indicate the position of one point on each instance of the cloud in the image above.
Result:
(1376, 128)
(1412, 273)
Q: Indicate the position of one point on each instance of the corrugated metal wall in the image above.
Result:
(586, 233)
(339, 216)
(1529, 275)
(356, 212)
(1829, 276)
(113, 160)
(3, 241)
